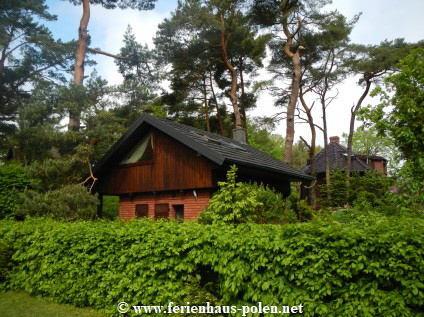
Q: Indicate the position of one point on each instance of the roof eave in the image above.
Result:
(291, 175)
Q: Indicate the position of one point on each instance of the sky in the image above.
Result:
(380, 20)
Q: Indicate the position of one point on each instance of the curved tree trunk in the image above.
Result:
(233, 73)
(291, 107)
(311, 190)
(297, 73)
(354, 111)
(83, 37)
(323, 94)
(327, 161)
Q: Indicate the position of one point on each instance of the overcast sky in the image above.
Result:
(380, 20)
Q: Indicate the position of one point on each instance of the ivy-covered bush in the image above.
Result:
(237, 202)
(365, 268)
(70, 202)
(12, 179)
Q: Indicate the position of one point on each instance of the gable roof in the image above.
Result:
(218, 149)
(337, 155)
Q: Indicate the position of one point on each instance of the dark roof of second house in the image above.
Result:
(219, 149)
(338, 160)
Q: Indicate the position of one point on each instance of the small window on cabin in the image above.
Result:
(141, 210)
(161, 211)
(142, 151)
(179, 212)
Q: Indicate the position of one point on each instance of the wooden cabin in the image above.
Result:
(338, 161)
(163, 169)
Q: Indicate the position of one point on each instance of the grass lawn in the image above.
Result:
(20, 304)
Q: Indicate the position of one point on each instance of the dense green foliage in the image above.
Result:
(233, 203)
(110, 207)
(402, 122)
(403, 95)
(5, 260)
(370, 187)
(12, 179)
(70, 202)
(28, 53)
(364, 268)
(237, 202)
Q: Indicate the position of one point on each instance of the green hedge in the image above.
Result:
(13, 179)
(370, 268)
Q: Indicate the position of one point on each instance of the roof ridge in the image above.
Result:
(227, 150)
(202, 131)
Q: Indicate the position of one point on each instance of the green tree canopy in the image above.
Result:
(401, 109)
(28, 52)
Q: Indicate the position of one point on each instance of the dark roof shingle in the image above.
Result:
(338, 160)
(216, 148)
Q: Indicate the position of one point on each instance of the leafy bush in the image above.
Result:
(274, 208)
(408, 193)
(110, 207)
(365, 268)
(70, 202)
(237, 202)
(5, 259)
(234, 202)
(303, 210)
(335, 194)
(12, 177)
(370, 188)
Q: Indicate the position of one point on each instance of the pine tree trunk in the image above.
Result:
(311, 190)
(243, 99)
(291, 107)
(352, 130)
(326, 152)
(233, 73)
(83, 37)
(205, 101)
(297, 73)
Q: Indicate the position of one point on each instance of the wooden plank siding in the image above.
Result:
(174, 166)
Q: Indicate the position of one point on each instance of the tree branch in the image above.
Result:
(306, 143)
(95, 51)
(91, 175)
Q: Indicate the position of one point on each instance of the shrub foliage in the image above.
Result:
(12, 179)
(69, 202)
(237, 202)
(370, 187)
(367, 268)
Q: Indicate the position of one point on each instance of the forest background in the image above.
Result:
(217, 65)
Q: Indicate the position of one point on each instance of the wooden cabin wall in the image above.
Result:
(174, 166)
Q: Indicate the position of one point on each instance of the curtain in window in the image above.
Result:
(137, 152)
